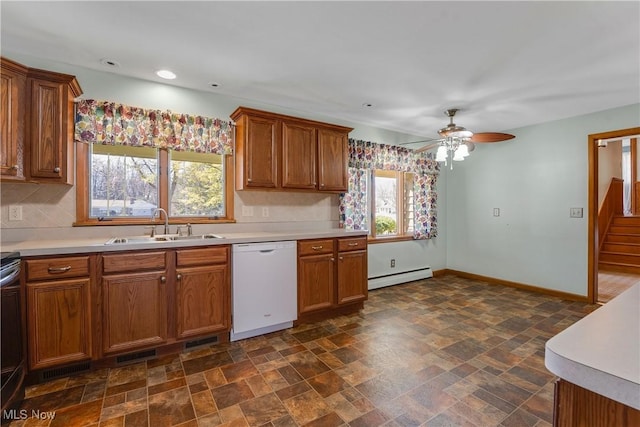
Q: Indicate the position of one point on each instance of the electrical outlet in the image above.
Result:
(496, 211)
(575, 213)
(265, 211)
(15, 213)
(393, 263)
(247, 211)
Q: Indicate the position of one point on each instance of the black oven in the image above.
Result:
(12, 358)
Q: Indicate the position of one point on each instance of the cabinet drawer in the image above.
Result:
(54, 268)
(117, 263)
(315, 247)
(206, 256)
(352, 244)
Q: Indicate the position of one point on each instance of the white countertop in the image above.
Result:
(88, 245)
(601, 352)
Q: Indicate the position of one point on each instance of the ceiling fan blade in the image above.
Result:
(422, 140)
(483, 137)
(427, 147)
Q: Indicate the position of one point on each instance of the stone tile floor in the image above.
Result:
(440, 352)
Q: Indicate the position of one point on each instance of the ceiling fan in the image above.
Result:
(453, 131)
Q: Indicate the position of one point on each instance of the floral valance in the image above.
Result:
(371, 155)
(103, 122)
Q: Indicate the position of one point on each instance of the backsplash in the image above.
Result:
(53, 207)
(43, 206)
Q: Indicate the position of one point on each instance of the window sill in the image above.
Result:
(376, 240)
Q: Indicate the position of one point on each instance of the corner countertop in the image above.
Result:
(97, 244)
(601, 352)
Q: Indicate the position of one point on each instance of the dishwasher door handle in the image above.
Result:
(266, 251)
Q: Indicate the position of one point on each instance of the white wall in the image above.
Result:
(534, 180)
(609, 166)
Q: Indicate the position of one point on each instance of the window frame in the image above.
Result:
(401, 223)
(83, 189)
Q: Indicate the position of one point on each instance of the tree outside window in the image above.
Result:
(391, 206)
(126, 184)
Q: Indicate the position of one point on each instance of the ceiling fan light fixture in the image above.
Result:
(458, 155)
(441, 154)
(461, 151)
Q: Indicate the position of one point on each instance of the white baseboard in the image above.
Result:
(396, 279)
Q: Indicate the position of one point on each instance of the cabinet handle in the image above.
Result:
(163, 279)
(316, 248)
(353, 244)
(56, 169)
(15, 167)
(179, 277)
(249, 180)
(341, 258)
(54, 270)
(333, 259)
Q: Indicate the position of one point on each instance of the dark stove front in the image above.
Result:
(12, 358)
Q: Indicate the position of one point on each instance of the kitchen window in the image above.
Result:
(391, 204)
(391, 192)
(147, 165)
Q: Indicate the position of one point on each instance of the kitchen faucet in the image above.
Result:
(166, 218)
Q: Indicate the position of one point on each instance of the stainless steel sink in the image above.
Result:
(159, 238)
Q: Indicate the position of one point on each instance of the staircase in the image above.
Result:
(620, 250)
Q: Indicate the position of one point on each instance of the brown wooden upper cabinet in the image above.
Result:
(278, 152)
(37, 116)
(14, 88)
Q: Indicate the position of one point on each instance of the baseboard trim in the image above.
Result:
(399, 278)
(523, 286)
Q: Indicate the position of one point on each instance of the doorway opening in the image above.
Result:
(621, 277)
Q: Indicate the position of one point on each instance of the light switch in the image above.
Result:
(496, 211)
(575, 212)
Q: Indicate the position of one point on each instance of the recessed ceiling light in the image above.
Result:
(166, 74)
(367, 105)
(110, 62)
(214, 84)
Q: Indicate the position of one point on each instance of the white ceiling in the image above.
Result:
(505, 64)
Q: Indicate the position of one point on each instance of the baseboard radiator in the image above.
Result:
(398, 278)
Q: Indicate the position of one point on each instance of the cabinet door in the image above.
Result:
(134, 311)
(315, 283)
(203, 300)
(59, 322)
(12, 104)
(352, 277)
(298, 156)
(261, 153)
(332, 160)
(46, 130)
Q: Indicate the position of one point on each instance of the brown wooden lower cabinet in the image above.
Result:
(575, 406)
(59, 325)
(332, 274)
(134, 311)
(203, 297)
(99, 306)
(59, 317)
(316, 287)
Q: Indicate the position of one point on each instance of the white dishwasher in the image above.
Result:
(264, 289)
